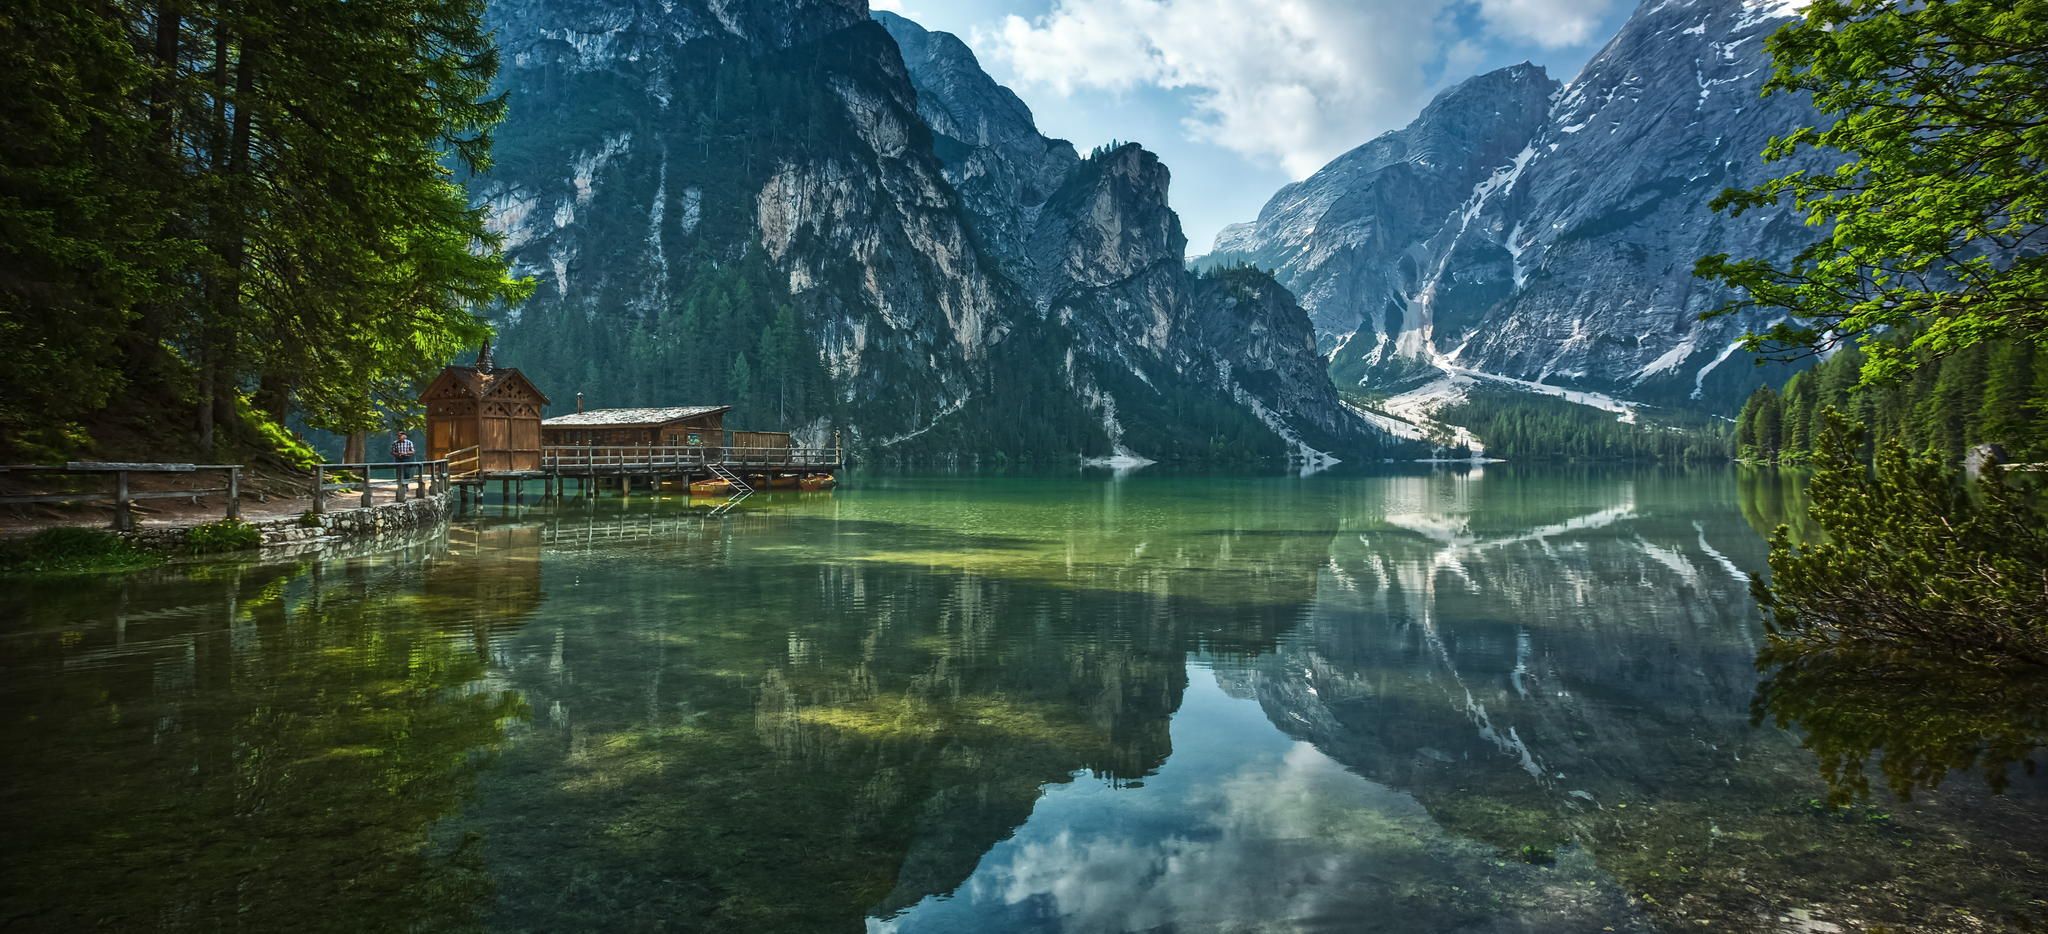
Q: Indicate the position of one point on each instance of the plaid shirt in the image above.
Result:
(401, 447)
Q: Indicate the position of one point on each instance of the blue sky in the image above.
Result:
(1240, 97)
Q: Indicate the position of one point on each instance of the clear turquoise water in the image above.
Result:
(1500, 700)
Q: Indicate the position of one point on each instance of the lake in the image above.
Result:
(1509, 699)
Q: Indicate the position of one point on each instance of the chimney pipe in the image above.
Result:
(579, 403)
(483, 357)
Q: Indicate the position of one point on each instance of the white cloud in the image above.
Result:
(1549, 23)
(893, 6)
(1292, 81)
(1287, 82)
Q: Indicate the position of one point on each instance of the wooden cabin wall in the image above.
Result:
(451, 426)
(502, 423)
(526, 442)
(778, 440)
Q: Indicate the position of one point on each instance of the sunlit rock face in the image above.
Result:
(1549, 233)
(640, 164)
(949, 266)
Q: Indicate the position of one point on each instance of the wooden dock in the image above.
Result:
(594, 468)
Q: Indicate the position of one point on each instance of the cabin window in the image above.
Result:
(696, 438)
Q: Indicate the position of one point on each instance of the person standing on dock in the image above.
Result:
(401, 452)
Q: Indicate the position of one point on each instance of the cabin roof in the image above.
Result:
(481, 384)
(633, 418)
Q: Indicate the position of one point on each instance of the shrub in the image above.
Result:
(1913, 562)
(72, 549)
(226, 535)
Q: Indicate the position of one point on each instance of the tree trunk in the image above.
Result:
(217, 377)
(206, 383)
(274, 395)
(353, 449)
(163, 95)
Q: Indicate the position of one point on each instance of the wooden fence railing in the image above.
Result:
(592, 458)
(121, 496)
(465, 461)
(427, 477)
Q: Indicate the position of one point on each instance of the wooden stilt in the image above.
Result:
(123, 519)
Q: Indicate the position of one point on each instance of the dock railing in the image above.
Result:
(121, 496)
(646, 457)
(425, 477)
(463, 462)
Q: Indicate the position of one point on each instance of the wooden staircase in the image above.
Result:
(725, 473)
(740, 489)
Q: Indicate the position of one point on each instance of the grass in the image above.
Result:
(72, 550)
(227, 535)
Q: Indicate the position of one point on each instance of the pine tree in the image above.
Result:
(1770, 425)
(86, 241)
(1797, 421)
(248, 209)
(2006, 415)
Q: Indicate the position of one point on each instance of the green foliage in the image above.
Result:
(79, 222)
(1520, 427)
(202, 200)
(1995, 393)
(1933, 219)
(72, 550)
(274, 438)
(1912, 562)
(227, 535)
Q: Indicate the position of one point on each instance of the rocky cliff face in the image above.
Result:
(781, 204)
(1096, 248)
(1347, 240)
(1555, 239)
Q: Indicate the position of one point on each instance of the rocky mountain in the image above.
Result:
(835, 225)
(1533, 237)
(1340, 237)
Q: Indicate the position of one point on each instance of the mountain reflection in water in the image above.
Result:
(1511, 701)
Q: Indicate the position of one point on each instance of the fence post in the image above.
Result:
(319, 489)
(234, 492)
(402, 481)
(123, 521)
(366, 485)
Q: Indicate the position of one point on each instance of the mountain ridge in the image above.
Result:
(774, 203)
(1568, 264)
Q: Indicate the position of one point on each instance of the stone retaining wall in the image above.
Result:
(334, 526)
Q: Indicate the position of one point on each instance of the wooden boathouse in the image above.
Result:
(495, 412)
(486, 422)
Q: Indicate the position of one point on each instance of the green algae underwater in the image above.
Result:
(1457, 700)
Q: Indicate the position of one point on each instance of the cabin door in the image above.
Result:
(440, 438)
